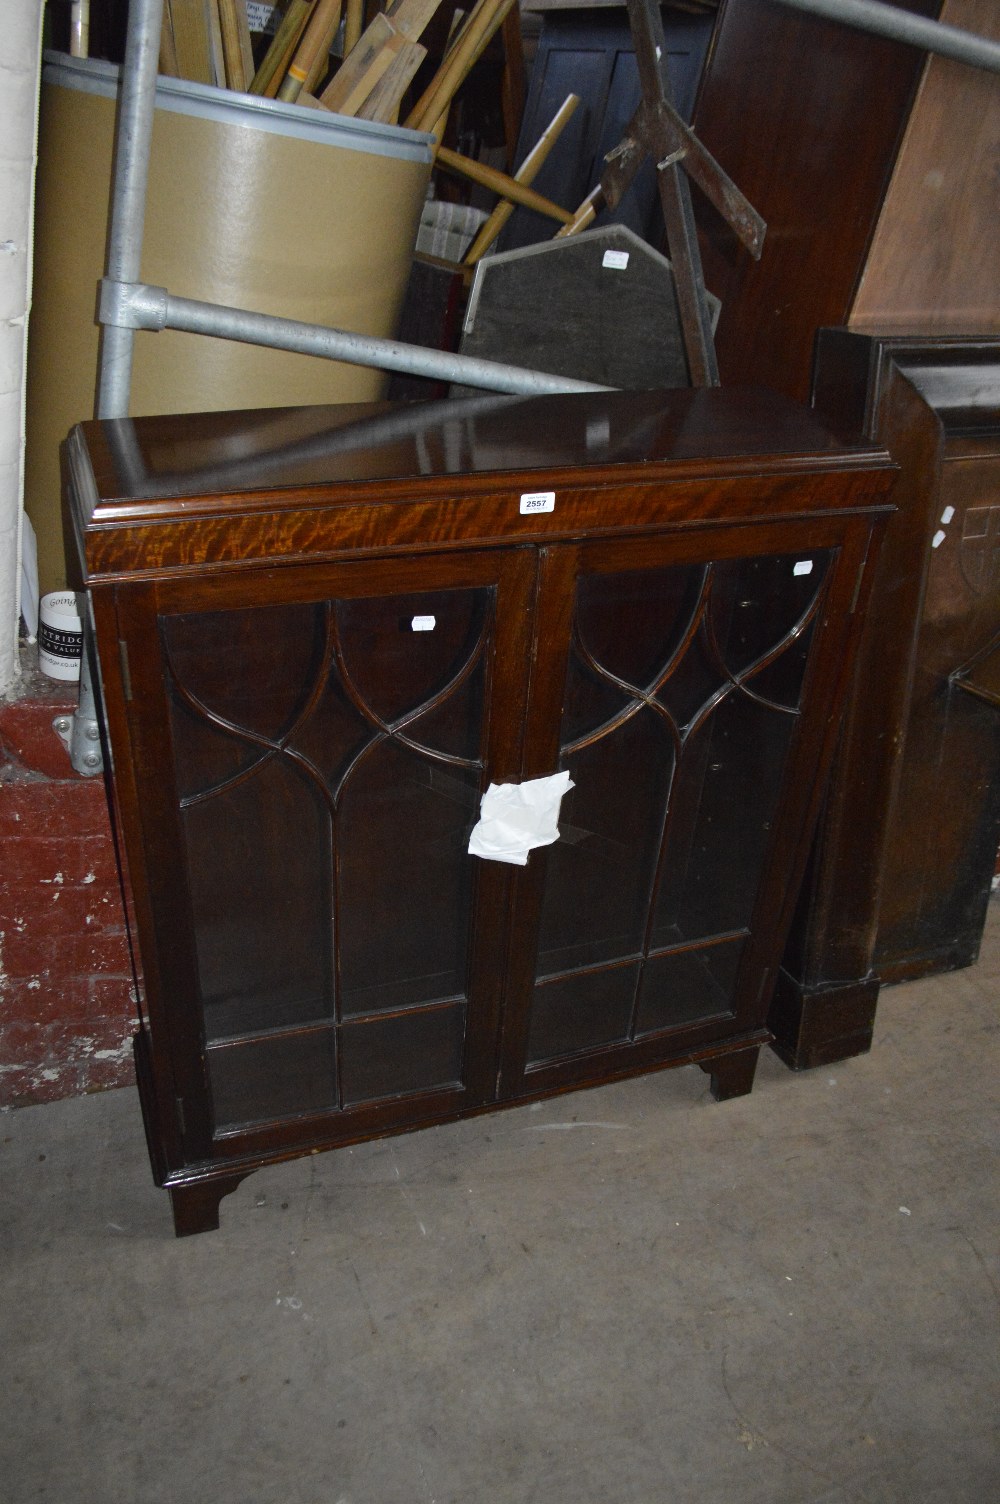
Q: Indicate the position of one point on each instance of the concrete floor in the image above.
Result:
(630, 1295)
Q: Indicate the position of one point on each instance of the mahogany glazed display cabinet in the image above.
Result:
(322, 634)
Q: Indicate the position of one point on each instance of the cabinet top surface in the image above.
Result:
(152, 462)
(956, 374)
(187, 491)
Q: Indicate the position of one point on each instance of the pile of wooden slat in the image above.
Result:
(209, 41)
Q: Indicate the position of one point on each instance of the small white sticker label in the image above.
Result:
(537, 501)
(804, 566)
(938, 538)
(617, 260)
(261, 15)
(947, 515)
(423, 623)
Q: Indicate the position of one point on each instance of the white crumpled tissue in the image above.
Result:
(514, 818)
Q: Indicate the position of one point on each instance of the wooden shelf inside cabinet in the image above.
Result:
(324, 632)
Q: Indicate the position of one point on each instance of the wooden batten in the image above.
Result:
(363, 67)
(383, 102)
(313, 47)
(473, 38)
(267, 79)
(236, 48)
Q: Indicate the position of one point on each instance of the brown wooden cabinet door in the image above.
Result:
(679, 702)
(331, 953)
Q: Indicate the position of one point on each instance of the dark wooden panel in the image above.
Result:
(410, 1052)
(945, 827)
(901, 871)
(935, 257)
(806, 116)
(260, 1079)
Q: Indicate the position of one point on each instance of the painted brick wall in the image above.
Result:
(66, 993)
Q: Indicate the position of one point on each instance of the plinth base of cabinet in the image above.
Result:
(816, 1026)
(195, 1194)
(959, 953)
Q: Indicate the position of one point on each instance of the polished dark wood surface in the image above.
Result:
(806, 116)
(139, 463)
(309, 683)
(246, 488)
(907, 846)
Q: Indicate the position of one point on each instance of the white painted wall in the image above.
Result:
(20, 51)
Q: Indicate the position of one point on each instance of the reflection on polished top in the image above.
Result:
(207, 490)
(194, 454)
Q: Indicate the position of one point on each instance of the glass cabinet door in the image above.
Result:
(329, 752)
(682, 693)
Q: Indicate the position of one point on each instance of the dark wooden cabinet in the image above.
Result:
(907, 845)
(322, 633)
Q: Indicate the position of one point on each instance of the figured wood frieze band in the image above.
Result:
(331, 532)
